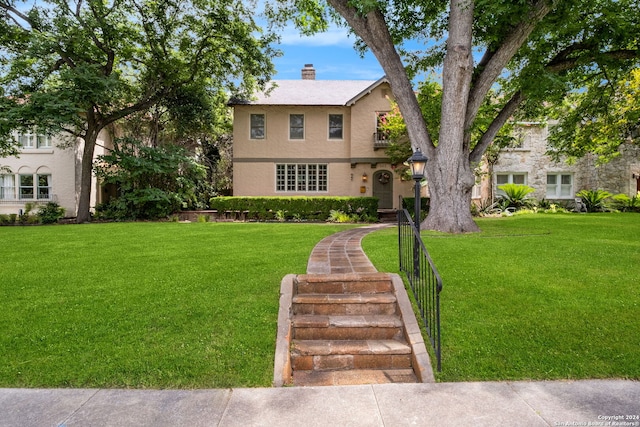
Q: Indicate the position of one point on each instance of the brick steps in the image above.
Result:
(353, 377)
(348, 330)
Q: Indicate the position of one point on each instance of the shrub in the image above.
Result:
(298, 208)
(50, 213)
(594, 200)
(516, 196)
(625, 203)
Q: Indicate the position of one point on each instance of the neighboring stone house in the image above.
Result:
(313, 137)
(527, 163)
(45, 172)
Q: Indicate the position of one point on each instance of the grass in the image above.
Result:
(169, 305)
(536, 296)
(145, 305)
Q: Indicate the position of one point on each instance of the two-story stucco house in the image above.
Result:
(527, 163)
(313, 137)
(43, 172)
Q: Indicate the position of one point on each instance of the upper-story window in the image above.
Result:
(336, 126)
(258, 126)
(34, 140)
(559, 186)
(296, 126)
(381, 137)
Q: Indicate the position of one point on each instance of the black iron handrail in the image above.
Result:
(423, 277)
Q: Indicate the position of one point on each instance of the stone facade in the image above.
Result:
(527, 163)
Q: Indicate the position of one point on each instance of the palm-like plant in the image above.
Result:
(516, 195)
(594, 200)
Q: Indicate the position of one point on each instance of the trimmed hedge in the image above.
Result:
(298, 208)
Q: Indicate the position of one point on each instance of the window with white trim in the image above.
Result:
(33, 140)
(301, 177)
(7, 187)
(258, 126)
(336, 126)
(509, 178)
(559, 186)
(296, 126)
(44, 187)
(26, 186)
(34, 187)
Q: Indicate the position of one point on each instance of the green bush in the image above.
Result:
(594, 200)
(624, 203)
(297, 208)
(50, 213)
(516, 196)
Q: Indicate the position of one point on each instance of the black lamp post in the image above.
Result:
(418, 164)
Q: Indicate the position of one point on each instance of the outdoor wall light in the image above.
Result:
(365, 177)
(635, 176)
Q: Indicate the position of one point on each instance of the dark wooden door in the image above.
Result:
(383, 189)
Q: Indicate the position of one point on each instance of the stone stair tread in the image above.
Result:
(353, 377)
(335, 347)
(377, 298)
(354, 321)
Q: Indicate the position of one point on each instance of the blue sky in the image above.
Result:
(331, 53)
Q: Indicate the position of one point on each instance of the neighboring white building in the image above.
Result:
(45, 172)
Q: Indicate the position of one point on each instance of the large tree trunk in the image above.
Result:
(449, 172)
(84, 202)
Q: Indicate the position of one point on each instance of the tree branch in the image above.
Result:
(503, 116)
(496, 61)
(372, 29)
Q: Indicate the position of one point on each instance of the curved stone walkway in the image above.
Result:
(341, 253)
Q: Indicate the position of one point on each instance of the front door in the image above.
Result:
(383, 189)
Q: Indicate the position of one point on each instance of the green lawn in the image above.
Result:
(145, 305)
(536, 296)
(169, 305)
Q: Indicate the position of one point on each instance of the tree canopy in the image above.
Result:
(522, 54)
(78, 66)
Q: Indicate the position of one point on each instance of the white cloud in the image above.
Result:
(335, 36)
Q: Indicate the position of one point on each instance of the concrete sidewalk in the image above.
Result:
(553, 403)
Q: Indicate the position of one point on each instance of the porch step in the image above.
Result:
(347, 329)
(343, 284)
(387, 215)
(350, 327)
(353, 377)
(345, 304)
(322, 355)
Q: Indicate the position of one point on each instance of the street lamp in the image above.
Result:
(418, 164)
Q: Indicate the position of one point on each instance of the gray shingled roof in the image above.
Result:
(313, 92)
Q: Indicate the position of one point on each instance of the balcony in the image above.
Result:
(381, 140)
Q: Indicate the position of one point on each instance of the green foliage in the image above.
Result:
(153, 182)
(625, 203)
(516, 196)
(299, 208)
(76, 69)
(50, 213)
(594, 200)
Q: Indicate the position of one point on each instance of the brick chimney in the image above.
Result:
(308, 72)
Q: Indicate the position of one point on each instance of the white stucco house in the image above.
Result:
(45, 171)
